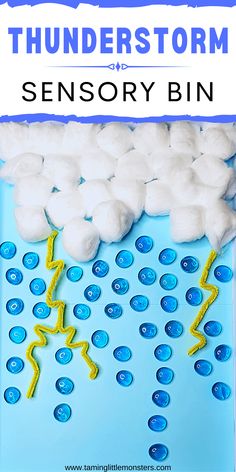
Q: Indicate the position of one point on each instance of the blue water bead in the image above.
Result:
(81, 311)
(161, 398)
(17, 334)
(122, 353)
(148, 330)
(169, 304)
(203, 367)
(223, 273)
(189, 264)
(174, 328)
(158, 452)
(15, 306)
(165, 375)
(168, 281)
(41, 310)
(157, 423)
(144, 244)
(213, 328)
(221, 391)
(37, 286)
(12, 395)
(30, 260)
(100, 338)
(100, 268)
(222, 352)
(113, 310)
(147, 276)
(64, 355)
(62, 412)
(15, 365)
(163, 352)
(7, 250)
(124, 378)
(167, 256)
(139, 302)
(92, 293)
(194, 296)
(14, 276)
(74, 273)
(124, 259)
(120, 286)
(64, 385)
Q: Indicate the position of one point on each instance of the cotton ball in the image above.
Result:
(168, 162)
(220, 224)
(32, 224)
(94, 192)
(62, 170)
(34, 190)
(45, 138)
(97, 164)
(224, 126)
(148, 137)
(130, 192)
(63, 207)
(13, 140)
(134, 165)
(20, 166)
(187, 189)
(113, 219)
(231, 189)
(184, 138)
(79, 137)
(159, 198)
(115, 139)
(187, 223)
(216, 142)
(214, 172)
(80, 239)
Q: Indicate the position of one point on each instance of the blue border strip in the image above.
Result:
(123, 3)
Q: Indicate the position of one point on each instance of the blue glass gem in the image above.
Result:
(165, 375)
(147, 276)
(168, 281)
(161, 398)
(223, 273)
(92, 293)
(7, 250)
(124, 378)
(15, 365)
(222, 352)
(64, 385)
(81, 311)
(30, 260)
(163, 352)
(100, 338)
(64, 355)
(203, 367)
(37, 286)
(41, 310)
(174, 328)
(74, 273)
(167, 256)
(157, 423)
(113, 310)
(62, 412)
(148, 330)
(158, 452)
(100, 268)
(17, 334)
(122, 353)
(15, 306)
(189, 264)
(120, 286)
(14, 276)
(169, 304)
(213, 328)
(124, 259)
(12, 395)
(221, 391)
(144, 244)
(139, 303)
(194, 296)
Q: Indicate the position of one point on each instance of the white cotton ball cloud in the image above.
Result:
(97, 164)
(80, 239)
(79, 137)
(32, 224)
(32, 190)
(14, 140)
(216, 142)
(168, 162)
(150, 137)
(115, 139)
(62, 170)
(187, 223)
(62, 207)
(113, 219)
(20, 166)
(134, 165)
(130, 192)
(184, 138)
(159, 198)
(214, 172)
(220, 224)
(45, 138)
(94, 192)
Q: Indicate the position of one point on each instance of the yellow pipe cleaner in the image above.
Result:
(214, 293)
(70, 331)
